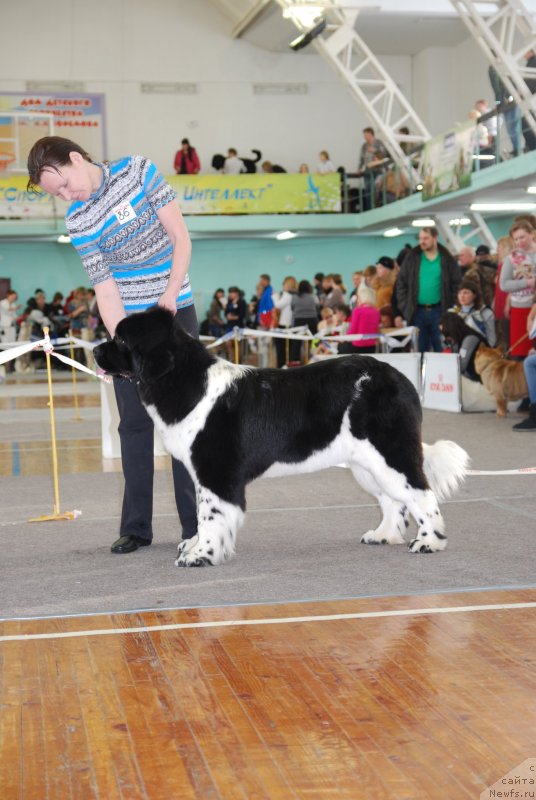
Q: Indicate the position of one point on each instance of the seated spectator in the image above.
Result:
(326, 322)
(38, 313)
(395, 184)
(303, 168)
(325, 166)
(186, 160)
(387, 317)
(384, 281)
(478, 326)
(233, 165)
(529, 367)
(341, 319)
(365, 319)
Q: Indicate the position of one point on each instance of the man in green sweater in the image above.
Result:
(426, 287)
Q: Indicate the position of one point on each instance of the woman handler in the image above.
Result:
(127, 227)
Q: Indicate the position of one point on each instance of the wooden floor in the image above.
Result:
(378, 698)
(271, 702)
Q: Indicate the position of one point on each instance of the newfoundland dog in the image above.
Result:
(231, 424)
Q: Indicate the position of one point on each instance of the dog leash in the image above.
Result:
(522, 339)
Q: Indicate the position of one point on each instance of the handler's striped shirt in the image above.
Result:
(118, 235)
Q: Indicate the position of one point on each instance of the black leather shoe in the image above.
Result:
(127, 544)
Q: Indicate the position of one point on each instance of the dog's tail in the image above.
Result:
(445, 467)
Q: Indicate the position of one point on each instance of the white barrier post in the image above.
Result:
(442, 382)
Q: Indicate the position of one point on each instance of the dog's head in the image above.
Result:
(454, 328)
(485, 356)
(142, 347)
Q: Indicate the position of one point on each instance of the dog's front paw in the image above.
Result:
(191, 554)
(191, 561)
(433, 545)
(373, 537)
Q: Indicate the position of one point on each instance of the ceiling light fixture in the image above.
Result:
(304, 15)
(63, 238)
(423, 223)
(393, 232)
(304, 39)
(531, 190)
(285, 235)
(503, 206)
(459, 221)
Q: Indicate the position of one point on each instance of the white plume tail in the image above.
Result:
(445, 467)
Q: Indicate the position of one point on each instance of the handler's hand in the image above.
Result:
(168, 301)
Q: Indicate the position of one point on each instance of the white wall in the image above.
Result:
(114, 45)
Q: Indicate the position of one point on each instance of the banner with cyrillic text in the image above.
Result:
(266, 193)
(447, 161)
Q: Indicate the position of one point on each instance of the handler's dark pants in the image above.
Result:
(136, 433)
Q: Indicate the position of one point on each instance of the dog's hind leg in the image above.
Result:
(397, 498)
(424, 508)
(394, 520)
(217, 524)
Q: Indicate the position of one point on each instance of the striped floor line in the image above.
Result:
(410, 612)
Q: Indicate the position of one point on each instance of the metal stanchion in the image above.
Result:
(56, 515)
(236, 345)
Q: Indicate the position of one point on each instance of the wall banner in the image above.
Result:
(448, 161)
(80, 117)
(201, 194)
(258, 193)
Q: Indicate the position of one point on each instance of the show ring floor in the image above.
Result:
(300, 541)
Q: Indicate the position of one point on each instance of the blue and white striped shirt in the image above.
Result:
(118, 235)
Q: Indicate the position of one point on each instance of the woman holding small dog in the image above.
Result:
(127, 227)
(518, 279)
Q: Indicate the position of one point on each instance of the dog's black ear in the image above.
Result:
(153, 366)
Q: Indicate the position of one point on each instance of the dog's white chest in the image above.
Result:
(179, 437)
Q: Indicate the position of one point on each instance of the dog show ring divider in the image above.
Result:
(441, 382)
(111, 445)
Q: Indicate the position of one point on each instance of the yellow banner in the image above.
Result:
(266, 193)
(17, 203)
(202, 194)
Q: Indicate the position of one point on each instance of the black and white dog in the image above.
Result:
(231, 424)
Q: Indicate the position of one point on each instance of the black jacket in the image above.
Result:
(407, 285)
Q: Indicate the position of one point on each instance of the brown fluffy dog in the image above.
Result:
(503, 379)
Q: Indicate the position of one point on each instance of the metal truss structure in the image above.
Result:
(366, 78)
(505, 37)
